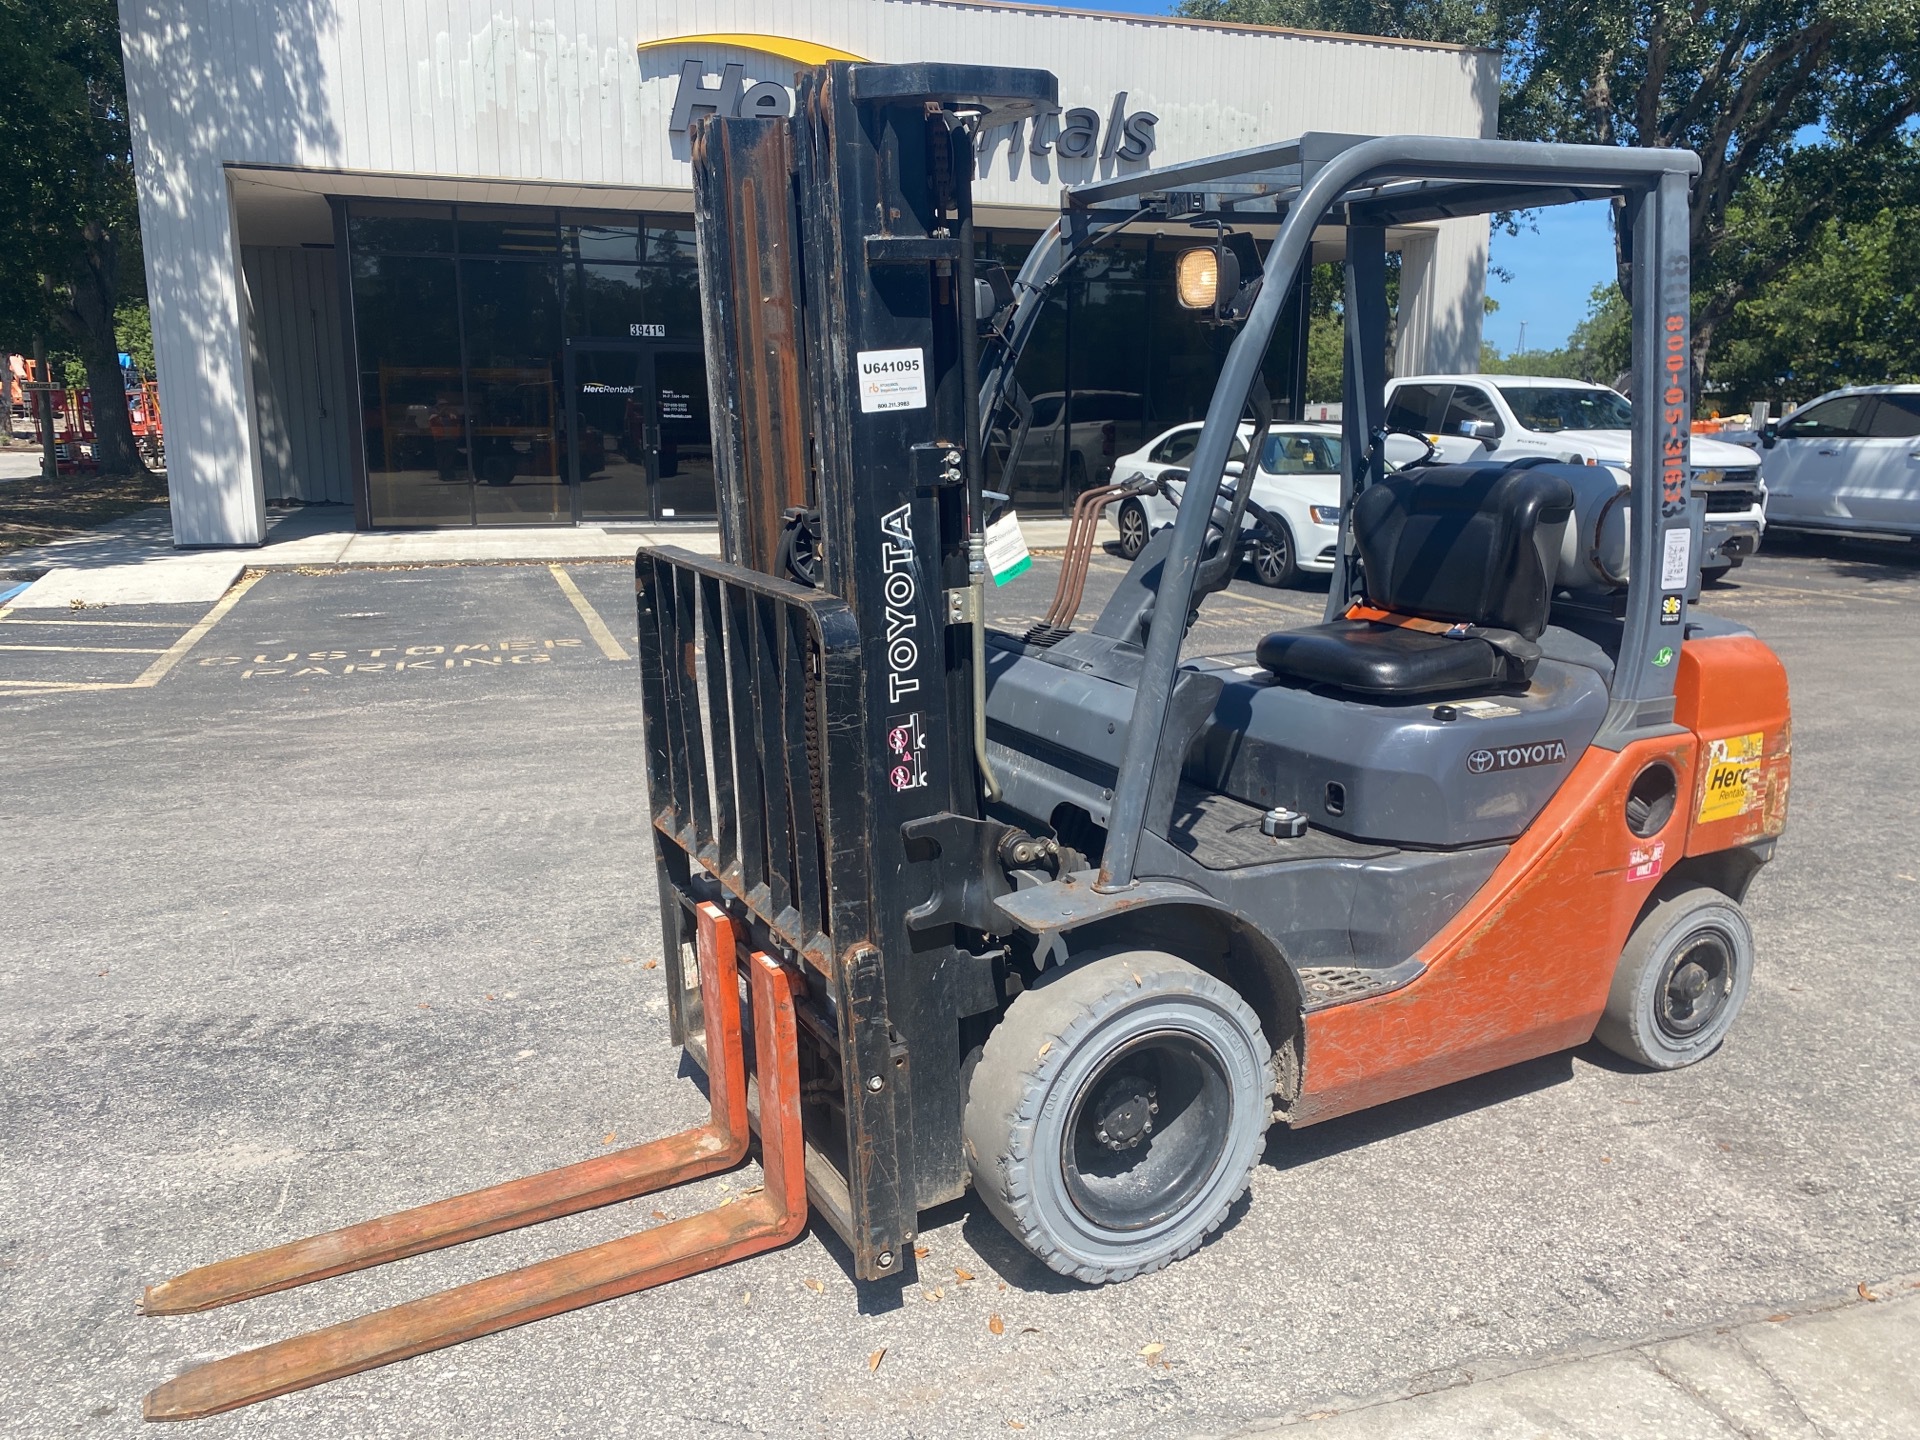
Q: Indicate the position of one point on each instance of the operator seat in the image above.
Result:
(1459, 562)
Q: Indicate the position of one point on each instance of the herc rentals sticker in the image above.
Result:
(892, 380)
(1733, 775)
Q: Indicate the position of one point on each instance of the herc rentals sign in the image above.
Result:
(1079, 133)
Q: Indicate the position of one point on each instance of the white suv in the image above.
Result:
(1849, 461)
(1470, 417)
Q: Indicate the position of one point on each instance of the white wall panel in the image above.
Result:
(553, 92)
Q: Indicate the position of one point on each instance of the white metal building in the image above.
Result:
(432, 258)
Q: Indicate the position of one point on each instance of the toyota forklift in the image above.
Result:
(1071, 918)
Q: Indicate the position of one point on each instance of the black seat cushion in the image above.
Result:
(1471, 545)
(1376, 659)
(1479, 544)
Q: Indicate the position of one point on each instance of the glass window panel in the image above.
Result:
(501, 230)
(1416, 407)
(1832, 420)
(1469, 403)
(1896, 417)
(406, 323)
(513, 326)
(390, 225)
(611, 301)
(670, 238)
(673, 300)
(683, 459)
(610, 410)
(600, 235)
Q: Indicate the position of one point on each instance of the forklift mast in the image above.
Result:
(836, 252)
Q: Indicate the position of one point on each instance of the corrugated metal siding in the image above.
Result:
(530, 91)
(299, 374)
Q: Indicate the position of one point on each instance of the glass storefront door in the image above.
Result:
(642, 444)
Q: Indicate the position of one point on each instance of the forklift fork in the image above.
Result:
(567, 1282)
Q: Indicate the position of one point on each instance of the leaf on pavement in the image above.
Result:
(920, 1252)
(1865, 1293)
(661, 1215)
(649, 964)
(995, 1325)
(814, 1285)
(873, 1360)
(963, 1276)
(1152, 1351)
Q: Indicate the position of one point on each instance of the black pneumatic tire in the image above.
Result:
(1273, 557)
(1133, 529)
(1167, 1056)
(1681, 981)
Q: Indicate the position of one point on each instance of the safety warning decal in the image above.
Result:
(1644, 861)
(906, 758)
(1733, 777)
(1669, 609)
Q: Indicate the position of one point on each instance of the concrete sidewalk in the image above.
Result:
(133, 561)
(1849, 1367)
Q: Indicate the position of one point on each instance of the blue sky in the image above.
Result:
(1555, 263)
(1555, 266)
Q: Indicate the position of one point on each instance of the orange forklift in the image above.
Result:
(1071, 918)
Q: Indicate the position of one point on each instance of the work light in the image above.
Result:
(1207, 277)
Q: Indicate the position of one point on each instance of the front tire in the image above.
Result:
(1275, 562)
(1681, 981)
(1117, 1113)
(1133, 529)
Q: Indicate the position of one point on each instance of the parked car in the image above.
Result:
(1469, 417)
(1848, 461)
(1297, 482)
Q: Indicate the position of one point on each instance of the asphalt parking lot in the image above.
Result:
(349, 907)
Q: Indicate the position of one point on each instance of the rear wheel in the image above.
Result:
(1681, 981)
(1133, 528)
(1273, 557)
(1117, 1113)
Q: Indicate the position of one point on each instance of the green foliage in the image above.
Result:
(1797, 109)
(67, 190)
(1597, 350)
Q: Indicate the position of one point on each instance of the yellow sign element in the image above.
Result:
(1733, 775)
(802, 52)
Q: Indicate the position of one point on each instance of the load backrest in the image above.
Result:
(1476, 544)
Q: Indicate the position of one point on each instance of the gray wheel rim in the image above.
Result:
(1133, 529)
(1271, 557)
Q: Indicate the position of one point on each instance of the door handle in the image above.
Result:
(1824, 451)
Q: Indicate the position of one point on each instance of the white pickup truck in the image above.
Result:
(1469, 417)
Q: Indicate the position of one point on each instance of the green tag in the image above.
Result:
(1007, 553)
(1663, 656)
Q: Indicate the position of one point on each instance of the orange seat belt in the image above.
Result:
(1457, 631)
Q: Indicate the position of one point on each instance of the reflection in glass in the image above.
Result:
(609, 400)
(376, 225)
(684, 460)
(498, 230)
(596, 235)
(412, 400)
(512, 318)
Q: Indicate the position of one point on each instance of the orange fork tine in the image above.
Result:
(567, 1282)
(637, 1170)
